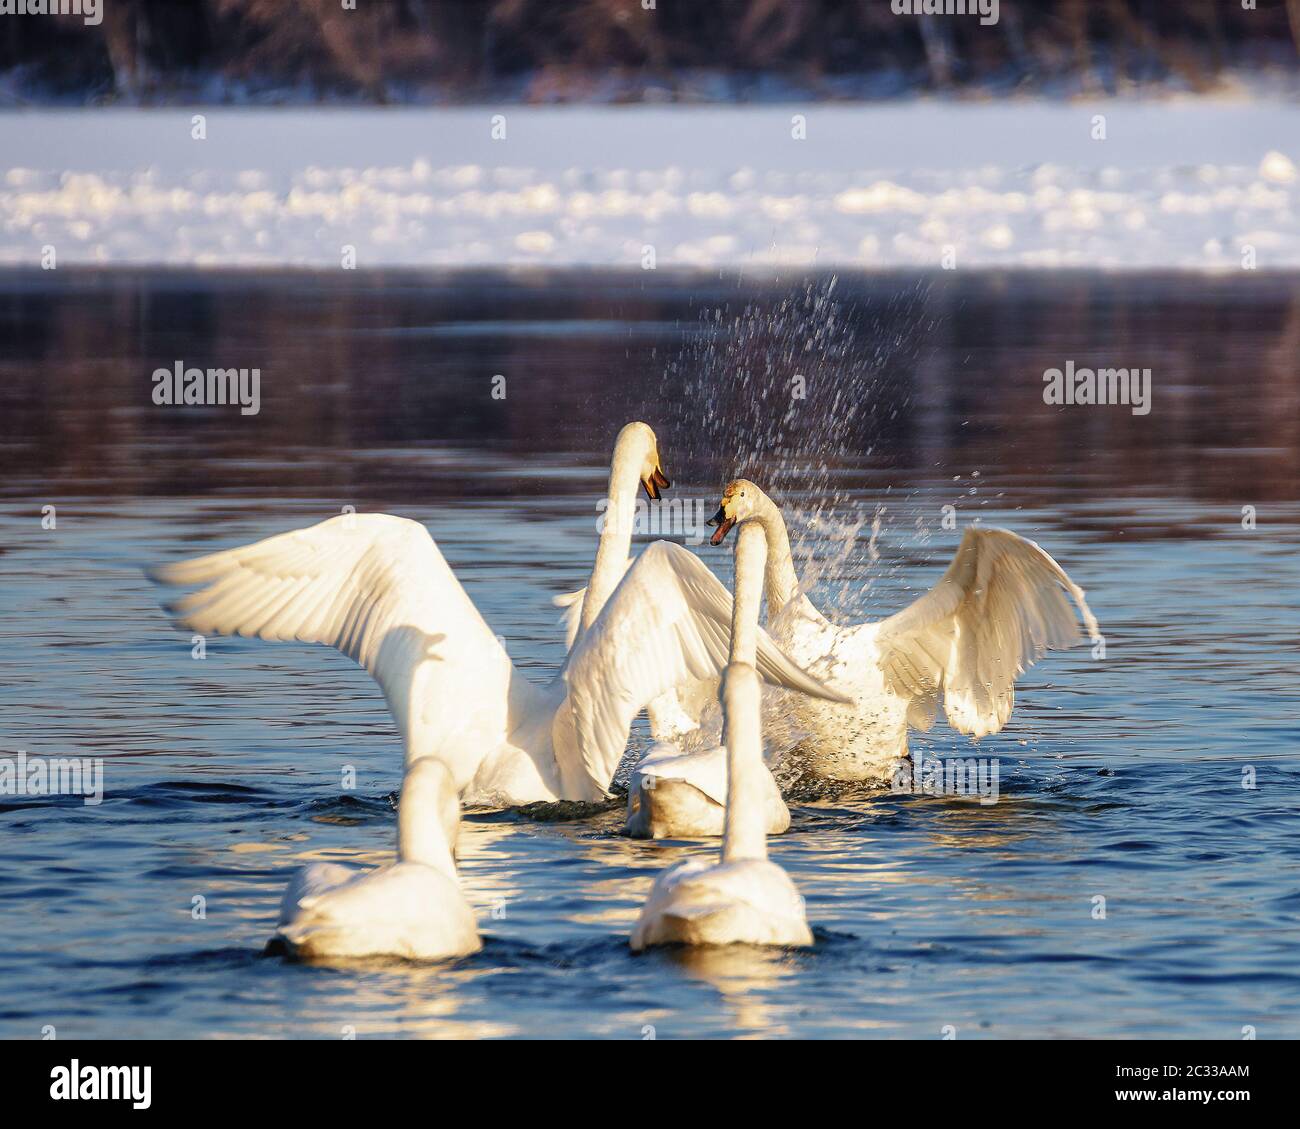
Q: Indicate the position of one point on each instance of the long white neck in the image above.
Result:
(428, 815)
(780, 580)
(744, 833)
(616, 535)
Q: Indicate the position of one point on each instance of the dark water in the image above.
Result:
(1121, 777)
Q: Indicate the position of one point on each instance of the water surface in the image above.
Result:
(1120, 777)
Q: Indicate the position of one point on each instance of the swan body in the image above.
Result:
(377, 588)
(748, 902)
(673, 794)
(744, 898)
(1000, 605)
(411, 908)
(864, 740)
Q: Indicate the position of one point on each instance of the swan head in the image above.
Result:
(638, 443)
(740, 502)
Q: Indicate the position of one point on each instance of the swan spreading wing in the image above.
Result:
(679, 710)
(375, 587)
(669, 620)
(1001, 604)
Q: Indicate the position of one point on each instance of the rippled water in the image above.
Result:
(1121, 777)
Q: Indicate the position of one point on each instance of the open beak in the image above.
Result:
(724, 524)
(656, 482)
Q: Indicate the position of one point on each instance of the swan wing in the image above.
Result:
(376, 588)
(1002, 602)
(675, 712)
(668, 621)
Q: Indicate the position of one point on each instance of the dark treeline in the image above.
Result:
(626, 50)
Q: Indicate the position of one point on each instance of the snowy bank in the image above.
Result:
(1188, 185)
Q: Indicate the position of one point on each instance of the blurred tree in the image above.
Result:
(543, 49)
(321, 40)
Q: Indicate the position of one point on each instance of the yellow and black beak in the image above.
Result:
(656, 482)
(724, 524)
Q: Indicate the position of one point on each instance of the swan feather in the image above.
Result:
(1000, 605)
(669, 620)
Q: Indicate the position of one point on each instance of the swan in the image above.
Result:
(674, 793)
(1001, 603)
(673, 715)
(377, 588)
(412, 907)
(744, 898)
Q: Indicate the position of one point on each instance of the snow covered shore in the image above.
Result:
(1193, 184)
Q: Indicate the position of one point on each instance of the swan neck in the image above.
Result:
(428, 815)
(751, 552)
(781, 582)
(745, 827)
(744, 831)
(616, 532)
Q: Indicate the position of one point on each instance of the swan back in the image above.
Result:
(404, 910)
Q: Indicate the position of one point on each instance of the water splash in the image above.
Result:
(794, 390)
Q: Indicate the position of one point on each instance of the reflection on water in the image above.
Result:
(1120, 778)
(393, 375)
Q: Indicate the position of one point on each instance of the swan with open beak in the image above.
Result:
(728, 513)
(655, 481)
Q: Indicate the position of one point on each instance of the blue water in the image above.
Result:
(1121, 777)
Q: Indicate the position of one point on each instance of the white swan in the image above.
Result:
(678, 710)
(674, 793)
(745, 898)
(376, 588)
(411, 908)
(1002, 602)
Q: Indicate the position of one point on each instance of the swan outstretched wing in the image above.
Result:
(1000, 605)
(669, 620)
(375, 587)
(676, 711)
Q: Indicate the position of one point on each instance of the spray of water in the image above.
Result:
(786, 388)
